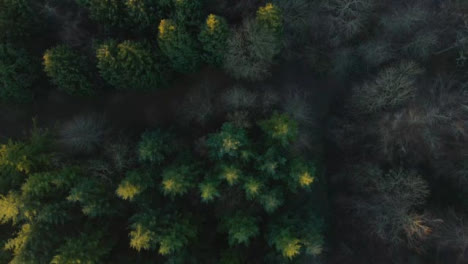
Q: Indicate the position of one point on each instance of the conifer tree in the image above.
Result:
(178, 46)
(68, 70)
(18, 72)
(131, 65)
(213, 38)
(17, 20)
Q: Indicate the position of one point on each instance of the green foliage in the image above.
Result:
(68, 70)
(270, 18)
(209, 190)
(176, 201)
(176, 181)
(142, 14)
(280, 128)
(96, 198)
(291, 236)
(213, 37)
(287, 243)
(87, 248)
(271, 200)
(17, 20)
(253, 188)
(188, 12)
(18, 159)
(241, 229)
(178, 46)
(133, 184)
(154, 146)
(230, 174)
(108, 13)
(229, 142)
(9, 207)
(131, 65)
(167, 233)
(303, 173)
(18, 72)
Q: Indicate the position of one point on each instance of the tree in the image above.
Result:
(83, 134)
(247, 190)
(154, 147)
(131, 65)
(347, 18)
(87, 248)
(390, 211)
(280, 128)
(143, 14)
(168, 233)
(270, 18)
(213, 38)
(392, 87)
(18, 73)
(68, 70)
(108, 13)
(188, 13)
(238, 98)
(241, 228)
(290, 237)
(229, 142)
(176, 181)
(17, 20)
(178, 46)
(134, 183)
(252, 48)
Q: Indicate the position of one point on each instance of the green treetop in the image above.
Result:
(18, 72)
(213, 37)
(130, 65)
(178, 46)
(68, 70)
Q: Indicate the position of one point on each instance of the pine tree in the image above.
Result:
(178, 46)
(108, 13)
(229, 142)
(131, 65)
(17, 20)
(213, 37)
(18, 73)
(280, 128)
(68, 70)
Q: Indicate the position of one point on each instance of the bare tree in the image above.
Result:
(452, 236)
(393, 87)
(388, 205)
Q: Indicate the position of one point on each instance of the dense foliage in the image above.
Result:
(226, 131)
(68, 70)
(244, 189)
(18, 72)
(130, 65)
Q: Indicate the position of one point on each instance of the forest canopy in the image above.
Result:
(233, 131)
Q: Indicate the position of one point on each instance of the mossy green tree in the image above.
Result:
(179, 47)
(18, 71)
(108, 13)
(213, 37)
(176, 205)
(131, 65)
(68, 70)
(17, 20)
